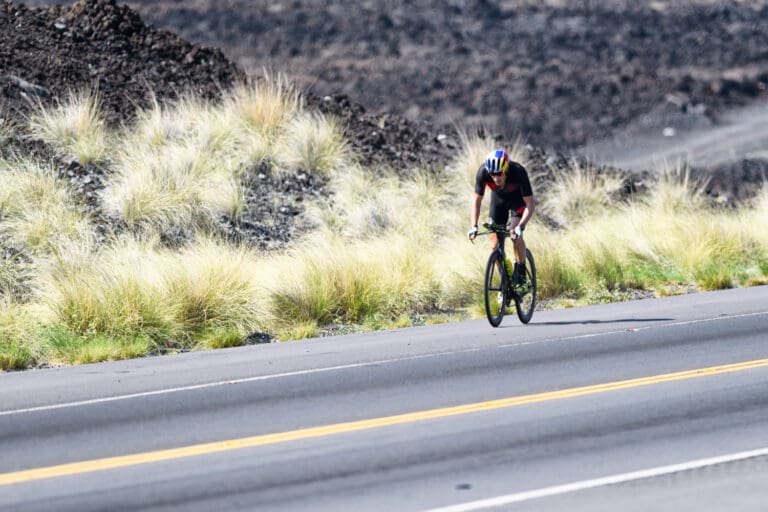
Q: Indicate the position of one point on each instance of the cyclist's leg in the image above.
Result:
(519, 243)
(498, 214)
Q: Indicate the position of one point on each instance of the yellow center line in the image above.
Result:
(355, 426)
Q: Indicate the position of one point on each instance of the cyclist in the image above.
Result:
(511, 192)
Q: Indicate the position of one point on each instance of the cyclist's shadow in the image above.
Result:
(618, 320)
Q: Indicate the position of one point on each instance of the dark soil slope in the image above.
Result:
(46, 52)
(561, 73)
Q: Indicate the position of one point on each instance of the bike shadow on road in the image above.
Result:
(616, 321)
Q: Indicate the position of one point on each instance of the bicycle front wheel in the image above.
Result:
(495, 286)
(525, 302)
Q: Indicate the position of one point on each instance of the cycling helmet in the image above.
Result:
(497, 162)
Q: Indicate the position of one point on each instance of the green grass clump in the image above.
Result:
(338, 280)
(16, 334)
(67, 347)
(557, 272)
(105, 299)
(216, 296)
(134, 292)
(220, 337)
(298, 330)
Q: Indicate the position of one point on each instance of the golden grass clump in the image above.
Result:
(183, 165)
(188, 121)
(676, 191)
(364, 204)
(35, 208)
(177, 186)
(335, 279)
(265, 106)
(420, 205)
(158, 299)
(75, 128)
(314, 143)
(582, 193)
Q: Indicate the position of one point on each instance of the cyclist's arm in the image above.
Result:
(475, 213)
(530, 206)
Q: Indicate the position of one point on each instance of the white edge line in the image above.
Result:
(346, 367)
(187, 388)
(599, 482)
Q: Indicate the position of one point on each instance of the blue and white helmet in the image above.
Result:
(497, 162)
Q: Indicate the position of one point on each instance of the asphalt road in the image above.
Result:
(659, 404)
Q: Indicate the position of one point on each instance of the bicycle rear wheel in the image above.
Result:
(525, 302)
(495, 286)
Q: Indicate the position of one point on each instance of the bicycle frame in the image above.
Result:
(503, 233)
(507, 293)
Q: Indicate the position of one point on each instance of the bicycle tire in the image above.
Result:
(495, 288)
(526, 304)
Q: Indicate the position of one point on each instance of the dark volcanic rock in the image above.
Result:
(46, 52)
(559, 73)
(389, 140)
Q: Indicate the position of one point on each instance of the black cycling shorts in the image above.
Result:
(500, 210)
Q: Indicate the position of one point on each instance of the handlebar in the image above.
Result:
(494, 228)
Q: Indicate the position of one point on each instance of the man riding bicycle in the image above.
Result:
(511, 193)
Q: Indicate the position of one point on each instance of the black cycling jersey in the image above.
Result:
(510, 196)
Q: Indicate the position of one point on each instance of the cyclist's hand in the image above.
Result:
(472, 233)
(518, 231)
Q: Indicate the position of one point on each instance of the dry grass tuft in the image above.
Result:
(265, 106)
(583, 193)
(75, 128)
(314, 143)
(676, 191)
(36, 209)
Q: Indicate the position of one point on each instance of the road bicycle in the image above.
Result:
(500, 292)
